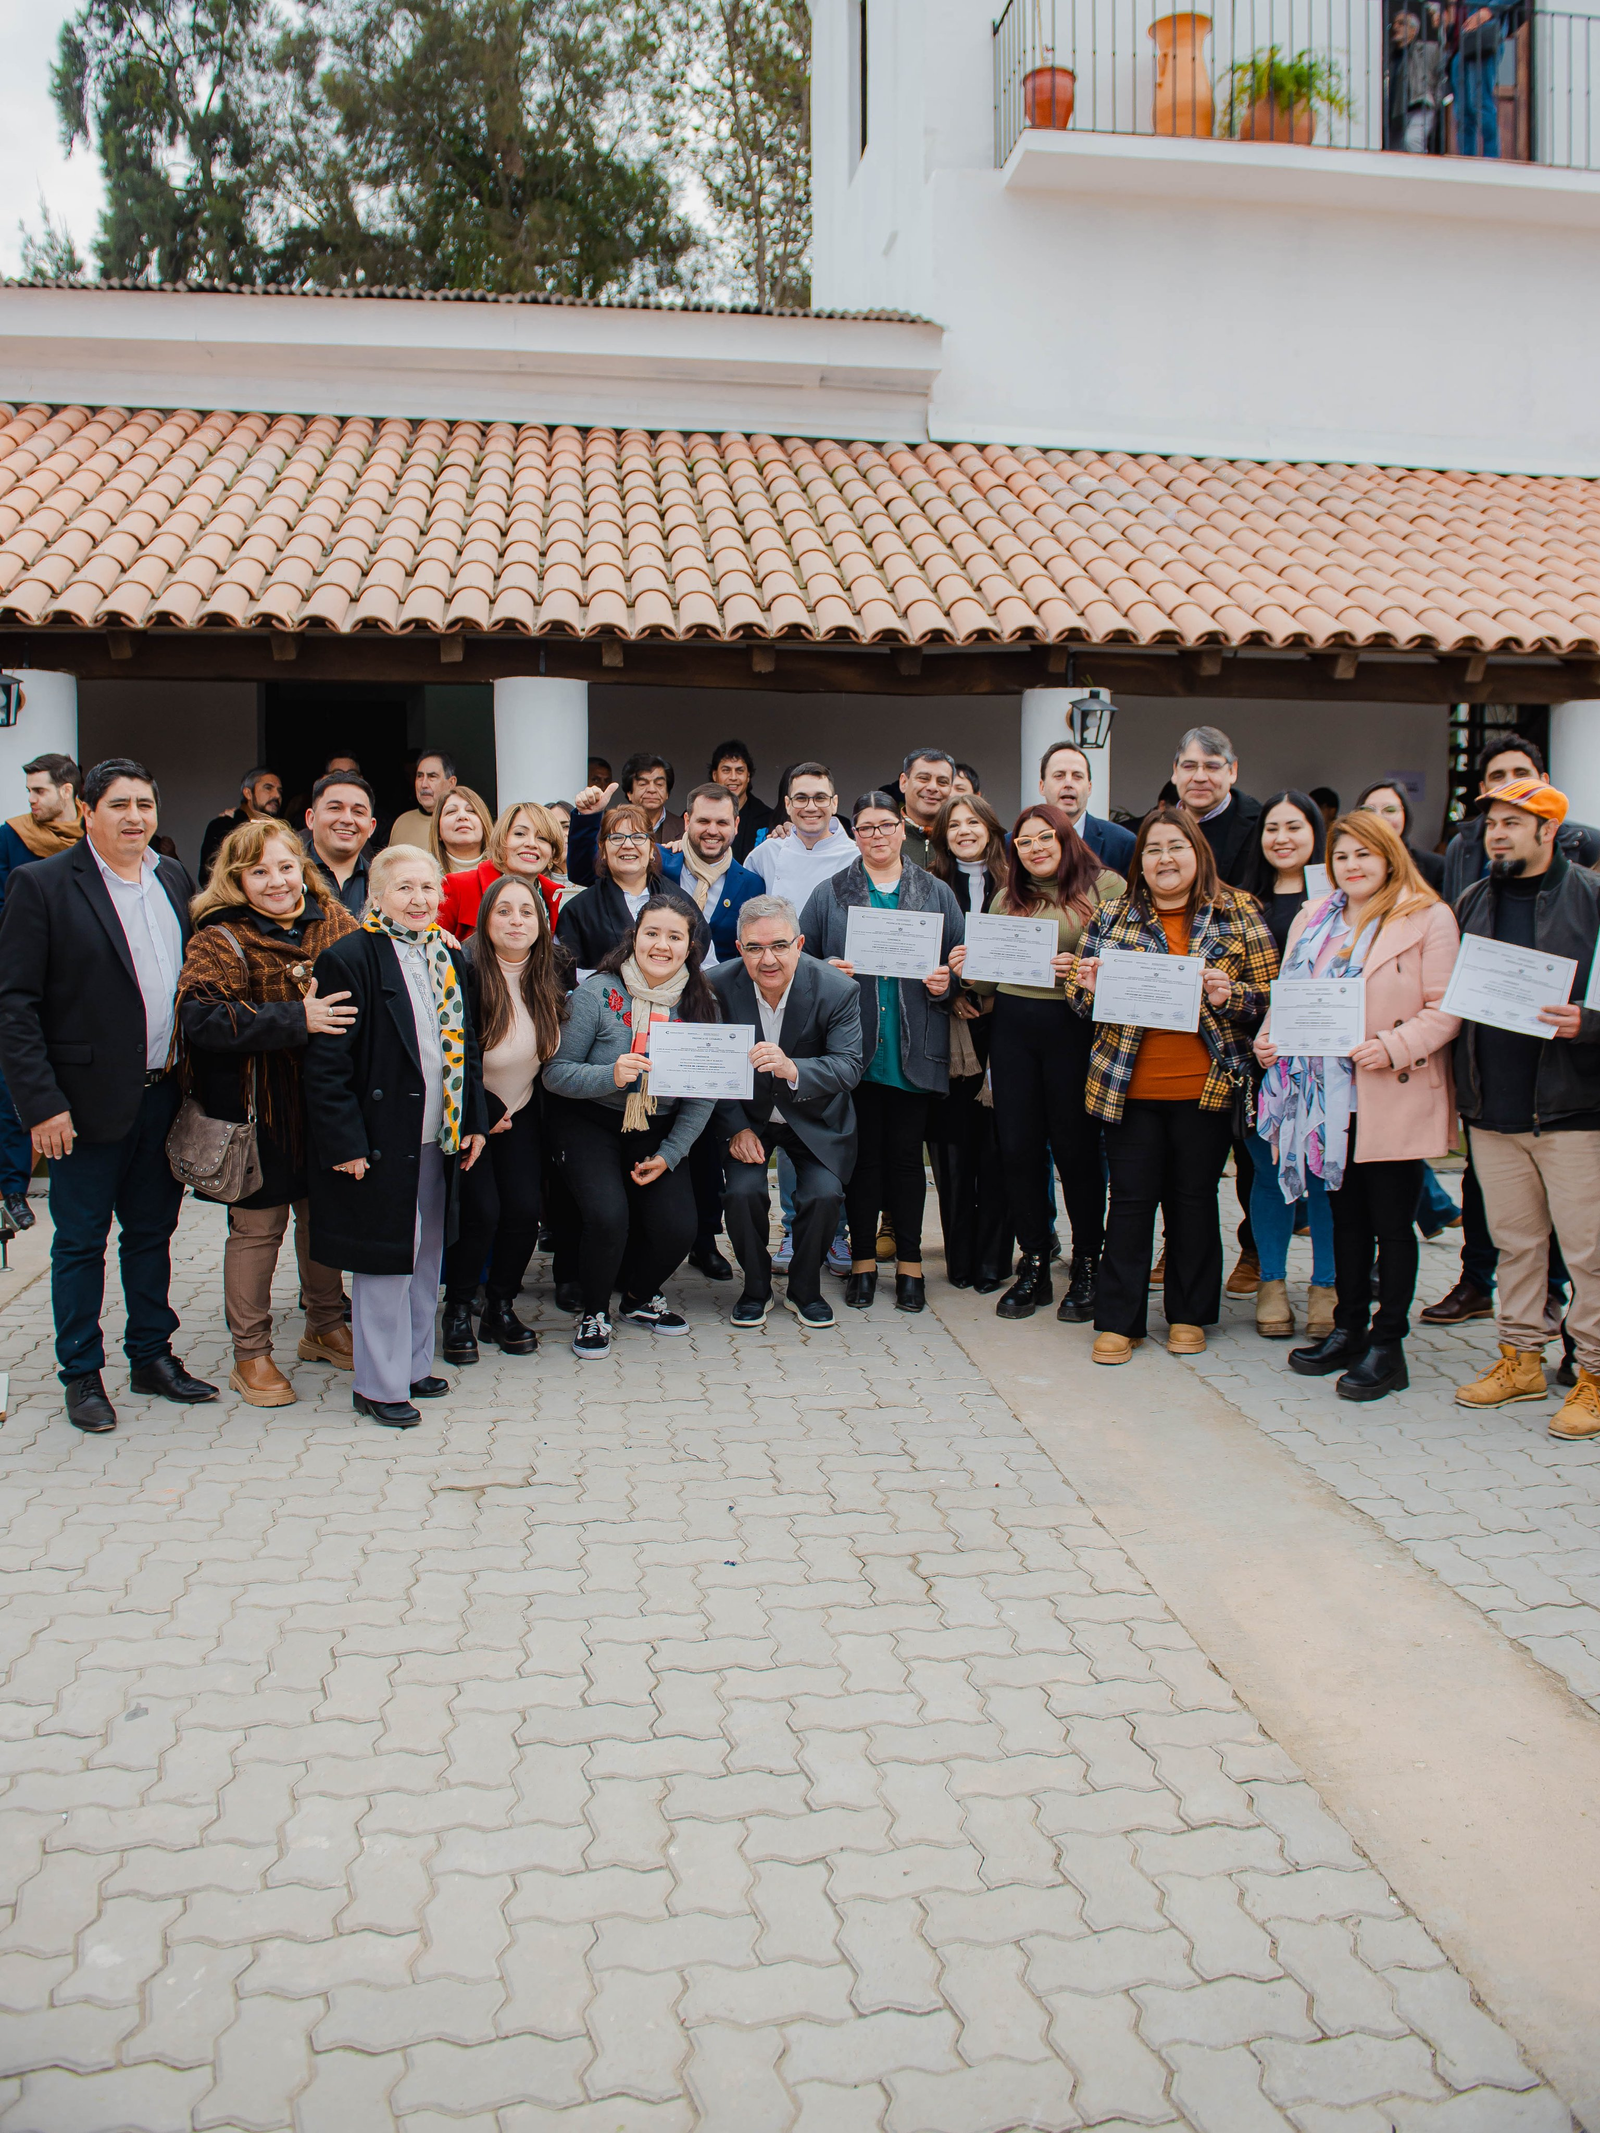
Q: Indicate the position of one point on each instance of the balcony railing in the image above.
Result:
(1405, 75)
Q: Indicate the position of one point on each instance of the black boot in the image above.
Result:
(457, 1343)
(1030, 1289)
(910, 1292)
(501, 1325)
(1337, 1352)
(1077, 1306)
(859, 1290)
(1381, 1370)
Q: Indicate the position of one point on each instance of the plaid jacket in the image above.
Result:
(1232, 935)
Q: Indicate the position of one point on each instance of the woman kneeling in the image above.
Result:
(622, 1149)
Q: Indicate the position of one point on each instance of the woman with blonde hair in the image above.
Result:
(522, 842)
(1364, 1124)
(247, 1004)
(459, 830)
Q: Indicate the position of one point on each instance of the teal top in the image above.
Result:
(884, 1066)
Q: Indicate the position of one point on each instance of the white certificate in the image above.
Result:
(1317, 884)
(1318, 1017)
(893, 944)
(1591, 992)
(1011, 951)
(1147, 989)
(696, 1059)
(1505, 986)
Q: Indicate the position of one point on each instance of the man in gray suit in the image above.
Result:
(807, 1059)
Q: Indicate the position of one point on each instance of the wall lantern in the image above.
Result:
(1089, 721)
(12, 699)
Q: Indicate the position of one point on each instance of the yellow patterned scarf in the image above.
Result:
(451, 1011)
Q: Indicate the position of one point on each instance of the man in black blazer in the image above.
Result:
(807, 1057)
(1205, 772)
(91, 944)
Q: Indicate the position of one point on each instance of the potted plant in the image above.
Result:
(1048, 91)
(1274, 96)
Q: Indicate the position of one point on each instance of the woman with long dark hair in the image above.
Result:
(1292, 834)
(1166, 1097)
(1039, 1063)
(518, 1002)
(621, 1148)
(967, 852)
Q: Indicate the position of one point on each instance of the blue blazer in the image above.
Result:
(738, 885)
(1109, 841)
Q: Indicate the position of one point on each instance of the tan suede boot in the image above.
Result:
(1580, 1414)
(1519, 1375)
(1274, 1318)
(1319, 1312)
(1186, 1340)
(1112, 1348)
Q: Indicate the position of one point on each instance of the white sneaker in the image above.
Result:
(591, 1339)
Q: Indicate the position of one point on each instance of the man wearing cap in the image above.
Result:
(1532, 1105)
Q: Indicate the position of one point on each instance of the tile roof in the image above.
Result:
(365, 291)
(131, 520)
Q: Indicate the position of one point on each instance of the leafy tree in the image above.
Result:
(170, 93)
(476, 144)
(734, 101)
(49, 253)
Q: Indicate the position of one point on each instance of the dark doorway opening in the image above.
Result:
(305, 725)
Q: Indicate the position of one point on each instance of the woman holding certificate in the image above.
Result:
(1163, 1076)
(1363, 1116)
(967, 852)
(1039, 1060)
(622, 1149)
(891, 926)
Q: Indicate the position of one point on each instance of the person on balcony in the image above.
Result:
(1414, 83)
(1474, 70)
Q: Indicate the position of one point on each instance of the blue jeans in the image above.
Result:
(16, 1148)
(1272, 1219)
(1434, 1205)
(132, 1180)
(1477, 116)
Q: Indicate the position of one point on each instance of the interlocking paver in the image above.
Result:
(722, 1739)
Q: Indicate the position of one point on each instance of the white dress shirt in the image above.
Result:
(791, 868)
(430, 1049)
(155, 942)
(771, 1023)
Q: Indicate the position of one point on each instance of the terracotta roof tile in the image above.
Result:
(200, 519)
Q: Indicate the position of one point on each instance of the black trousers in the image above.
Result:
(818, 1195)
(970, 1180)
(1375, 1211)
(891, 1126)
(1038, 1064)
(132, 1180)
(1166, 1155)
(641, 1233)
(499, 1218)
(705, 1172)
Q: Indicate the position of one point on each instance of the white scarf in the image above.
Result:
(648, 1004)
(699, 876)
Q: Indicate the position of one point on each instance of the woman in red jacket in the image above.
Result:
(523, 842)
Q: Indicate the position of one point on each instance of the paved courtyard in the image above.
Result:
(748, 1733)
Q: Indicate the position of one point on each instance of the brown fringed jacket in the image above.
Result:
(243, 1023)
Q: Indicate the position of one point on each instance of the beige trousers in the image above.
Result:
(1533, 1183)
(249, 1262)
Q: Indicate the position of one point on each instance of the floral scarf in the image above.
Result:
(1303, 1109)
(449, 1007)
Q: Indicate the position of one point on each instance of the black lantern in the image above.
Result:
(1090, 720)
(11, 699)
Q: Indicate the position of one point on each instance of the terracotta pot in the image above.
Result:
(1183, 103)
(1268, 120)
(1047, 96)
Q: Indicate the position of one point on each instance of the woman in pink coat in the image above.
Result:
(1365, 1124)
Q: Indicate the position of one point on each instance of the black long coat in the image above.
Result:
(364, 1096)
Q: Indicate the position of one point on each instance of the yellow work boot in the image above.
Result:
(1112, 1348)
(1186, 1340)
(1519, 1375)
(1580, 1412)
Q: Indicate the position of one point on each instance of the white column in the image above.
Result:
(1047, 717)
(541, 738)
(46, 725)
(1575, 757)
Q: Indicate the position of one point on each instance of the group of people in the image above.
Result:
(439, 1051)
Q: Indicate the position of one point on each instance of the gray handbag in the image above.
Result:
(216, 1157)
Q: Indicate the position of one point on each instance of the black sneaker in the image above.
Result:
(652, 1311)
(750, 1312)
(818, 1314)
(591, 1339)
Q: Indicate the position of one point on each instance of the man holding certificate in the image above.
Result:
(890, 926)
(808, 1059)
(1163, 1076)
(1532, 1102)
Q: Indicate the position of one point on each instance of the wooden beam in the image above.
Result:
(1202, 665)
(1340, 665)
(908, 659)
(119, 644)
(787, 666)
(611, 654)
(450, 650)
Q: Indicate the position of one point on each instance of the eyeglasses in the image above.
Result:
(877, 829)
(763, 948)
(627, 837)
(809, 799)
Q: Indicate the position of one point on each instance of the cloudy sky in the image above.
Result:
(31, 157)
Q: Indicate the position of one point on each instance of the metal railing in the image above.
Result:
(1405, 75)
